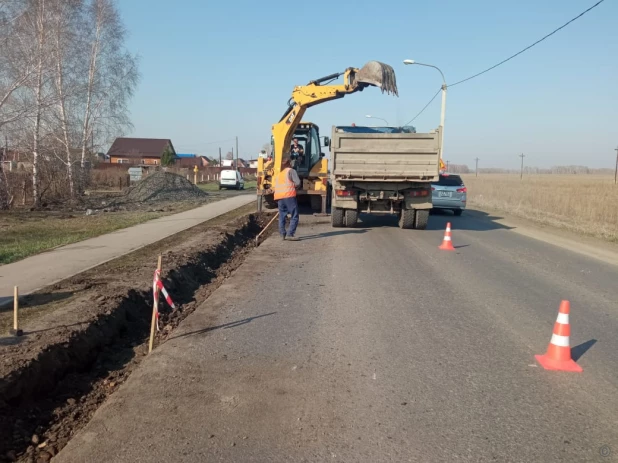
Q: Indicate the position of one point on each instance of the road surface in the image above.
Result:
(371, 345)
(47, 268)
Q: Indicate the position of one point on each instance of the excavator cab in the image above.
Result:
(312, 169)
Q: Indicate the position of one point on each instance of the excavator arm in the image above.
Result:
(374, 73)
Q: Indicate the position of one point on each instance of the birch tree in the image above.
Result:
(66, 69)
(112, 75)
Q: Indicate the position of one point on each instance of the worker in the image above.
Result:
(286, 184)
(298, 153)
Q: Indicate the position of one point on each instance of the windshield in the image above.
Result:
(450, 180)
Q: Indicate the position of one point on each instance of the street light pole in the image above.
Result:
(236, 153)
(373, 117)
(443, 108)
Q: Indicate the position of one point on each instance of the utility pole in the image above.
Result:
(521, 174)
(219, 156)
(447, 163)
(616, 171)
(237, 154)
(477, 167)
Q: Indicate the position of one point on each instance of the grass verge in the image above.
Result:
(584, 204)
(28, 233)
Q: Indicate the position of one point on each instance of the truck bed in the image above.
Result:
(370, 154)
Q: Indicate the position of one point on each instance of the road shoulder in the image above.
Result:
(588, 246)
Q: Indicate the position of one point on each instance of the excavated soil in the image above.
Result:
(161, 187)
(79, 353)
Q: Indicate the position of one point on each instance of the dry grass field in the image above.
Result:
(586, 204)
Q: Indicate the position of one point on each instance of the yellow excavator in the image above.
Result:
(312, 168)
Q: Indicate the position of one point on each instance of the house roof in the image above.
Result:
(140, 147)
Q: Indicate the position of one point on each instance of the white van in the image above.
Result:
(231, 179)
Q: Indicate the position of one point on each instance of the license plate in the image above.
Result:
(445, 194)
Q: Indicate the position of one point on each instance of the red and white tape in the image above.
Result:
(157, 285)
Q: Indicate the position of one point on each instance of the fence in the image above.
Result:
(204, 174)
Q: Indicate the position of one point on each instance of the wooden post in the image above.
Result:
(155, 309)
(16, 331)
(15, 308)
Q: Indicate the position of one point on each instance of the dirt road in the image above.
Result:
(372, 345)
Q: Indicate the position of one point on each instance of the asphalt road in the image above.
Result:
(371, 345)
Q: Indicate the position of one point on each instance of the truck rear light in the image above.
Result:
(462, 190)
(325, 181)
(416, 193)
(344, 192)
(433, 189)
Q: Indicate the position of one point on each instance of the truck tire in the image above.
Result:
(457, 212)
(336, 217)
(422, 217)
(406, 219)
(351, 217)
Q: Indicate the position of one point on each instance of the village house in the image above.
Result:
(139, 151)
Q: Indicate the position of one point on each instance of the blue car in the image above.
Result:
(449, 193)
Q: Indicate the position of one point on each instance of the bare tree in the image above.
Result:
(65, 83)
(17, 65)
(112, 75)
(65, 16)
(229, 156)
(37, 24)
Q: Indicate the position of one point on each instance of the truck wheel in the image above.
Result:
(406, 219)
(316, 203)
(336, 217)
(351, 217)
(422, 217)
(457, 212)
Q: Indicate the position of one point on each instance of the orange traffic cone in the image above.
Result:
(558, 356)
(447, 243)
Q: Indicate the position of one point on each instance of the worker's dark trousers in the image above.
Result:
(288, 205)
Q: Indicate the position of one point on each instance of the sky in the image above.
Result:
(215, 70)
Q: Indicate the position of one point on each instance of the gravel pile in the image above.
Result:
(164, 186)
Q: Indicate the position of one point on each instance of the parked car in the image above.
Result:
(449, 193)
(231, 179)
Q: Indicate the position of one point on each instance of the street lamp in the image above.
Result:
(443, 111)
(372, 117)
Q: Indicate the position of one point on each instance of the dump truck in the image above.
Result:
(383, 170)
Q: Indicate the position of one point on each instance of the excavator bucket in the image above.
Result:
(378, 74)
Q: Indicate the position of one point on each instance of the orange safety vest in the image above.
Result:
(284, 187)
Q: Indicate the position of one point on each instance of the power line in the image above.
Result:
(508, 59)
(425, 107)
(530, 46)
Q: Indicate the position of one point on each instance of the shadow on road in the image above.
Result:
(225, 325)
(471, 220)
(578, 351)
(334, 233)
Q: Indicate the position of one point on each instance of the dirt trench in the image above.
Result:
(52, 384)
